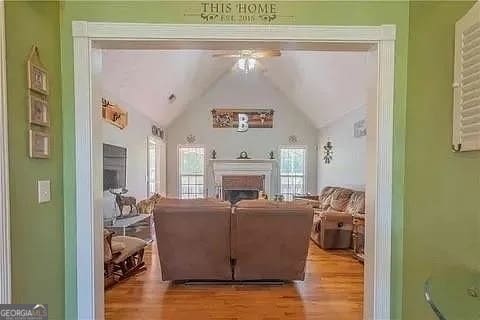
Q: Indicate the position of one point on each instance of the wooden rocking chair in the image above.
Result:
(123, 257)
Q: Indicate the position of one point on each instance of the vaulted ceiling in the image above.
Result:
(325, 85)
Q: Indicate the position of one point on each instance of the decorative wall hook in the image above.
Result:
(457, 148)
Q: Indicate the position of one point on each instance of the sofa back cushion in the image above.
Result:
(193, 239)
(340, 198)
(325, 198)
(270, 243)
(261, 203)
(356, 205)
(174, 202)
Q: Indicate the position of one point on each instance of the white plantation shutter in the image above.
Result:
(466, 126)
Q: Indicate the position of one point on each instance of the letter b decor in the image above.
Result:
(242, 122)
(243, 119)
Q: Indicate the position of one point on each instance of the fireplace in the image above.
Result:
(237, 179)
(236, 188)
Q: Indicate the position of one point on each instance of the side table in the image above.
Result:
(358, 237)
(138, 226)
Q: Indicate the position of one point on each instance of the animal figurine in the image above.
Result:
(122, 201)
(146, 206)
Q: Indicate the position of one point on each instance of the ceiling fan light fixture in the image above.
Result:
(247, 64)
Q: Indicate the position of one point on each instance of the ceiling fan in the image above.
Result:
(247, 59)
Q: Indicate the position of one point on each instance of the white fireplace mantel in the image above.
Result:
(244, 167)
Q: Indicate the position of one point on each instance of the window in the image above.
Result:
(192, 172)
(292, 171)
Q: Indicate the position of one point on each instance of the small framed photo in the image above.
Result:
(37, 78)
(360, 129)
(38, 111)
(39, 144)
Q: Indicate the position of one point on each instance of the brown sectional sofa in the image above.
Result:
(270, 240)
(193, 239)
(210, 240)
(333, 218)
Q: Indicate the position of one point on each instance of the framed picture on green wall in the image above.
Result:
(39, 144)
(38, 111)
(37, 74)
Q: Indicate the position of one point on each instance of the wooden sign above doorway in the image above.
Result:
(243, 12)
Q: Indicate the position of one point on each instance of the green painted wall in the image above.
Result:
(442, 215)
(294, 12)
(36, 230)
(440, 218)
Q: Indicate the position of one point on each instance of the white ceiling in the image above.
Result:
(325, 85)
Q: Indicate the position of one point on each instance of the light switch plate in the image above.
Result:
(43, 191)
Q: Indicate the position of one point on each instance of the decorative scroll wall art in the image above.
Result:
(38, 108)
(114, 115)
(158, 132)
(242, 118)
(328, 152)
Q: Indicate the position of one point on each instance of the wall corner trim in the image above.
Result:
(5, 243)
(80, 29)
(389, 31)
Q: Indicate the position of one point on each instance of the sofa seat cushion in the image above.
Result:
(339, 221)
(117, 246)
(132, 245)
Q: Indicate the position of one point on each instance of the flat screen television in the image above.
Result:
(114, 167)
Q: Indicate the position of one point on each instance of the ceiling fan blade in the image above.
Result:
(226, 55)
(266, 54)
(249, 53)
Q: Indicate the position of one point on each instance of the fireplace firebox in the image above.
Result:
(245, 187)
(235, 195)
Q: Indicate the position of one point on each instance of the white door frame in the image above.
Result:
(5, 263)
(159, 174)
(379, 202)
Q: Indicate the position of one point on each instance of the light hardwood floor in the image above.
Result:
(333, 289)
